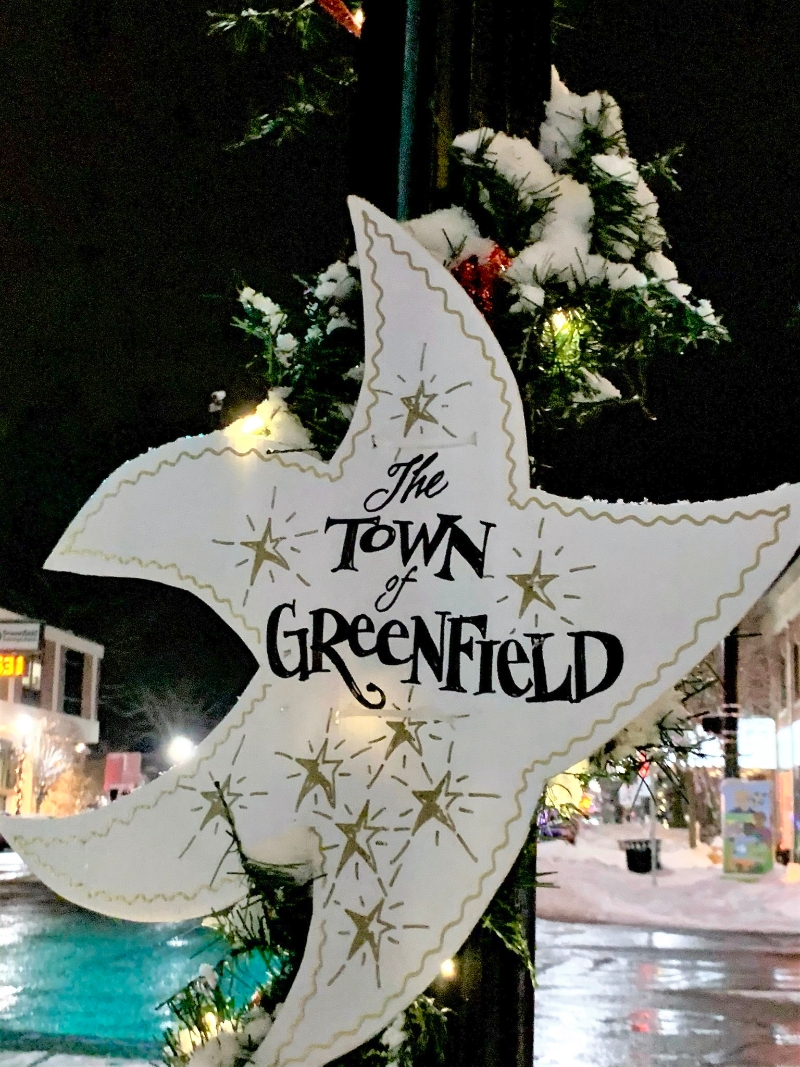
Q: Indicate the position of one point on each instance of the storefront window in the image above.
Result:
(8, 765)
(32, 683)
(73, 681)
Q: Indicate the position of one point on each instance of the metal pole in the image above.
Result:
(730, 705)
(408, 108)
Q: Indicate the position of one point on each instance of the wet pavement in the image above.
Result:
(617, 996)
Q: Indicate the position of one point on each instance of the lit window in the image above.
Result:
(32, 683)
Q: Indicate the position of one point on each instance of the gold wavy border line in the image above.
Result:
(144, 898)
(126, 820)
(189, 579)
(779, 516)
(69, 540)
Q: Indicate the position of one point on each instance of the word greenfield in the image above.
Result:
(456, 651)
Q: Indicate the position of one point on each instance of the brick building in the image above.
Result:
(49, 681)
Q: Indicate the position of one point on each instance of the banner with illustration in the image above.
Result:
(747, 826)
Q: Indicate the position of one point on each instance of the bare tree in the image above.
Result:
(51, 756)
(157, 715)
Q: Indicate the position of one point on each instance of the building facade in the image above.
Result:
(769, 700)
(49, 681)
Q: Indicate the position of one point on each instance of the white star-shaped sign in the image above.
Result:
(434, 640)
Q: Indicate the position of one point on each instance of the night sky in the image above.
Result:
(126, 228)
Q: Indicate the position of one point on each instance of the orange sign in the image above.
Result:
(12, 666)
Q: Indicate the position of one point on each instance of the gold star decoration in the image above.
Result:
(533, 586)
(402, 735)
(353, 846)
(264, 551)
(315, 777)
(417, 408)
(431, 807)
(217, 799)
(365, 933)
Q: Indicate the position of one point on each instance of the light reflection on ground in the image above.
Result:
(66, 971)
(613, 996)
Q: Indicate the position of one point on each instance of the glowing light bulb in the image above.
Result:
(253, 423)
(180, 749)
(358, 17)
(448, 969)
(558, 320)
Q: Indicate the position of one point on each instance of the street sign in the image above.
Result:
(20, 635)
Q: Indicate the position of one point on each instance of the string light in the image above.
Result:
(559, 321)
(253, 424)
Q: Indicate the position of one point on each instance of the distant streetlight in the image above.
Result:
(180, 749)
(24, 724)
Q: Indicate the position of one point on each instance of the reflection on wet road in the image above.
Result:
(616, 996)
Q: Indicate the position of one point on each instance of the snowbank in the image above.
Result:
(594, 885)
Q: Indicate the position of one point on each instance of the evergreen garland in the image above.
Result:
(563, 252)
(310, 68)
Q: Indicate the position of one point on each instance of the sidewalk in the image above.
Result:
(592, 884)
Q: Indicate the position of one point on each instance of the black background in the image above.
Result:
(126, 228)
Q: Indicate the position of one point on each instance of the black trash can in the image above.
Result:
(639, 857)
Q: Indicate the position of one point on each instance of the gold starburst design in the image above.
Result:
(431, 805)
(370, 928)
(354, 847)
(417, 406)
(218, 800)
(533, 584)
(402, 735)
(316, 776)
(264, 548)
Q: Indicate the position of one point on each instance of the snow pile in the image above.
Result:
(559, 248)
(450, 235)
(593, 885)
(272, 420)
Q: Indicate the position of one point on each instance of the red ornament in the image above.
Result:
(480, 277)
(338, 10)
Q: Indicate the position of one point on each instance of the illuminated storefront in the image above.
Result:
(769, 699)
(49, 682)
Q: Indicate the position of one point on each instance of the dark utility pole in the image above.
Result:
(431, 69)
(427, 71)
(730, 704)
